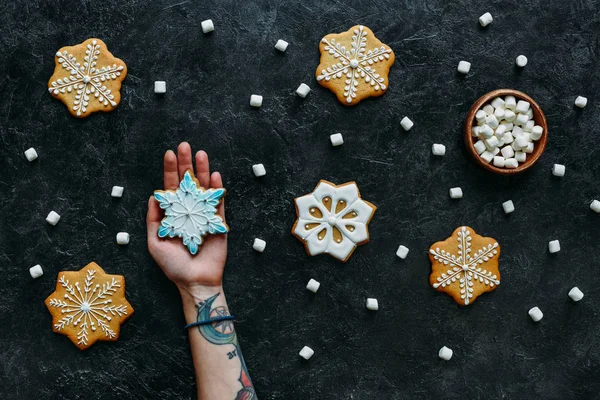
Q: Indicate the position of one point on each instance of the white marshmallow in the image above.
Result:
(529, 125)
(479, 146)
(207, 26)
(160, 87)
(480, 116)
(500, 131)
(521, 142)
(496, 151)
(259, 170)
(509, 125)
(313, 286)
(53, 218)
(256, 100)
(520, 156)
(511, 163)
(595, 206)
(36, 271)
(575, 294)
(517, 131)
(306, 352)
(259, 245)
(475, 131)
(122, 238)
(522, 107)
(31, 154)
(117, 191)
(402, 252)
(529, 148)
(536, 314)
(581, 101)
(554, 246)
(281, 45)
(303, 90)
(492, 121)
(530, 113)
(445, 353)
(486, 131)
(536, 132)
(491, 143)
(336, 139)
(507, 152)
(486, 19)
(510, 102)
(456, 193)
(509, 115)
(372, 304)
(487, 156)
(464, 67)
(497, 102)
(438, 149)
(499, 113)
(508, 206)
(521, 119)
(508, 138)
(488, 109)
(558, 170)
(521, 61)
(499, 161)
(406, 123)
(527, 136)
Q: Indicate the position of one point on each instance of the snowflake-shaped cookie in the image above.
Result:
(333, 219)
(89, 87)
(354, 65)
(190, 212)
(88, 305)
(458, 272)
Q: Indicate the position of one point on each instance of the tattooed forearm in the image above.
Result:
(223, 333)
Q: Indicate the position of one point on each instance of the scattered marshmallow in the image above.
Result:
(117, 191)
(575, 294)
(122, 238)
(479, 146)
(558, 170)
(160, 87)
(259, 170)
(581, 101)
(445, 353)
(438, 149)
(536, 314)
(259, 245)
(508, 206)
(337, 139)
(486, 19)
(372, 304)
(464, 67)
(521, 61)
(256, 100)
(313, 285)
(406, 123)
(456, 193)
(303, 90)
(281, 45)
(402, 252)
(31, 154)
(306, 352)
(554, 246)
(207, 26)
(36, 271)
(53, 218)
(595, 206)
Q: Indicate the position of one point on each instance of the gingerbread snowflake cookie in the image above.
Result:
(465, 265)
(87, 78)
(333, 219)
(354, 65)
(89, 305)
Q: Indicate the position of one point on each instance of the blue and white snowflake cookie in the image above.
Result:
(190, 212)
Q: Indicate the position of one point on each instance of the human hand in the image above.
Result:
(205, 269)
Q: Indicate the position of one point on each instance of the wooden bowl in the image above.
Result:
(538, 116)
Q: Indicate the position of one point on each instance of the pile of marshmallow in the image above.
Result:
(506, 131)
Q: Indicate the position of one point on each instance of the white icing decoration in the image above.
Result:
(85, 80)
(353, 228)
(89, 307)
(463, 268)
(355, 63)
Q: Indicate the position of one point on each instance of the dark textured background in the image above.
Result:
(390, 354)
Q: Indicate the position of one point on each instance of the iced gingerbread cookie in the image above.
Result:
(89, 305)
(354, 65)
(87, 78)
(459, 272)
(333, 219)
(190, 212)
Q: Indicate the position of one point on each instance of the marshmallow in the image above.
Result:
(558, 170)
(554, 246)
(492, 121)
(536, 314)
(488, 109)
(508, 125)
(497, 102)
(256, 100)
(53, 218)
(581, 101)
(259, 245)
(530, 113)
(456, 193)
(508, 206)
(402, 252)
(508, 138)
(487, 156)
(499, 161)
(510, 102)
(496, 151)
(499, 113)
(509, 115)
(406, 123)
(464, 67)
(521, 61)
(521, 119)
(575, 294)
(372, 304)
(313, 286)
(520, 143)
(475, 131)
(445, 353)
(36, 271)
(520, 156)
(306, 352)
(122, 238)
(207, 26)
(522, 107)
(160, 87)
(336, 139)
(486, 19)
(491, 143)
(281, 45)
(259, 170)
(507, 152)
(479, 146)
(529, 125)
(31, 154)
(529, 148)
(303, 90)
(480, 116)
(536, 132)
(511, 163)
(486, 131)
(438, 149)
(500, 131)
(117, 191)
(595, 206)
